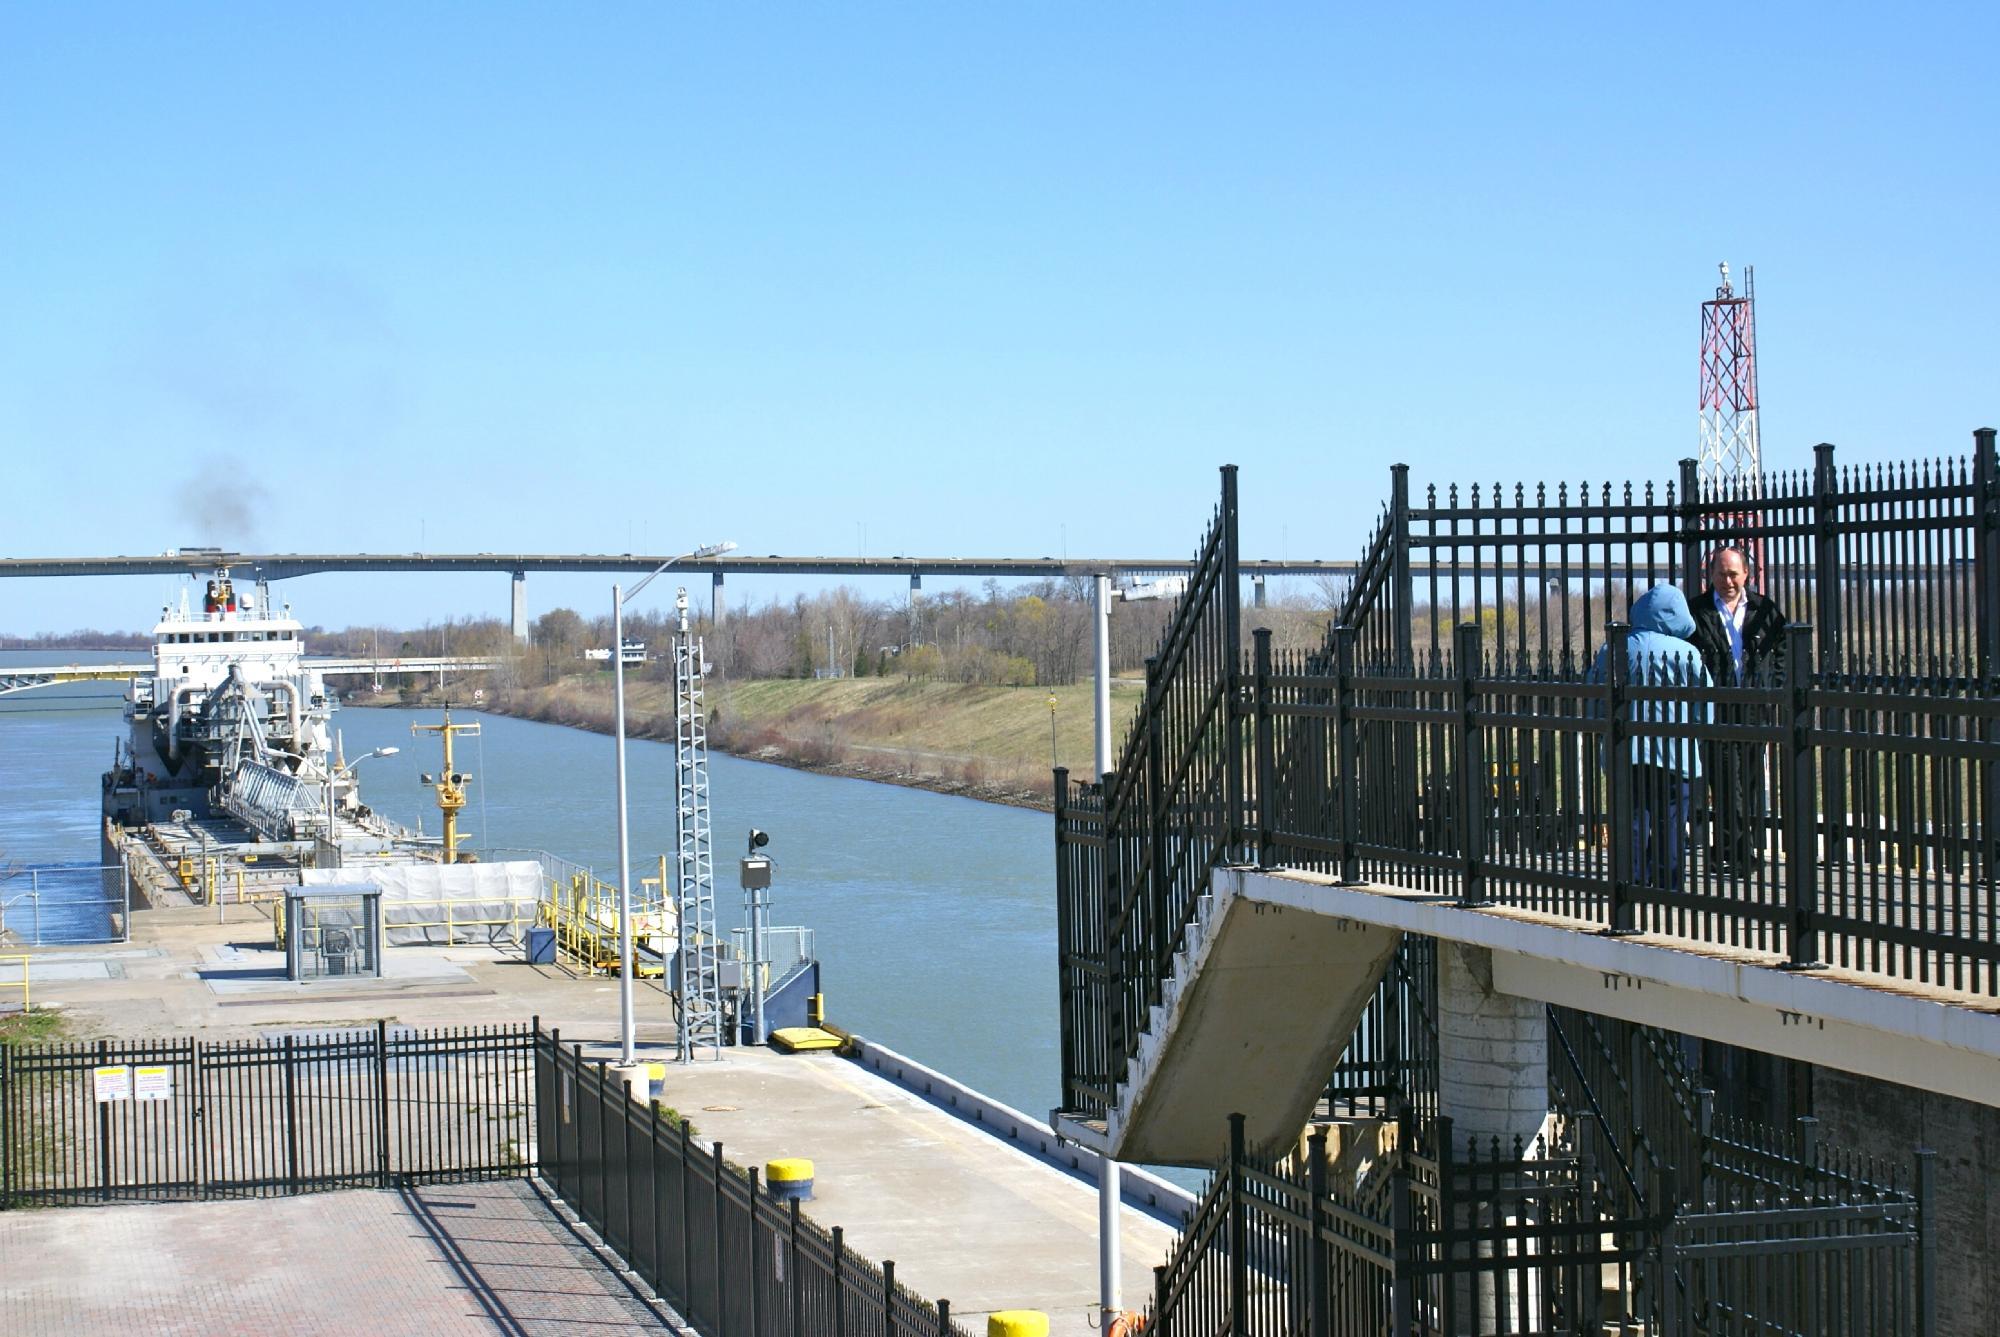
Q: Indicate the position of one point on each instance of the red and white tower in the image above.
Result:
(1729, 466)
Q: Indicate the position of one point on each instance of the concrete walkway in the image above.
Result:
(965, 1216)
(471, 1259)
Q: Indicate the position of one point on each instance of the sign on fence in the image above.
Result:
(112, 1083)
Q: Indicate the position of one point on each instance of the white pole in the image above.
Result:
(1109, 1254)
(1102, 679)
(625, 1027)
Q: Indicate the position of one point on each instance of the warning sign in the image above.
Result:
(112, 1083)
(153, 1083)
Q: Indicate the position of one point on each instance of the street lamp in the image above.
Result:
(333, 774)
(1109, 1258)
(618, 598)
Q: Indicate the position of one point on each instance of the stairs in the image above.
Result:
(1259, 1004)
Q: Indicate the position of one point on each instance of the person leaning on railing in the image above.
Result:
(1659, 653)
(1741, 636)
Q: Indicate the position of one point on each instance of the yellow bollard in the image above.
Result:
(790, 1177)
(1017, 1323)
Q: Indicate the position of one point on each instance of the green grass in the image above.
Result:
(32, 1028)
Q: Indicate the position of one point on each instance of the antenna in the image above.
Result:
(1731, 466)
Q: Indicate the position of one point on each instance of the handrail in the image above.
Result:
(22, 983)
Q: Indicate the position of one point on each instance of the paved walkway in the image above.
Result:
(441, 1261)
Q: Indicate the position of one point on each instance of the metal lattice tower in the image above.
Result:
(701, 1021)
(1730, 466)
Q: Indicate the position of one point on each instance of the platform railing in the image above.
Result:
(1496, 743)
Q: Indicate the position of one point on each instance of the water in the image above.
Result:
(935, 915)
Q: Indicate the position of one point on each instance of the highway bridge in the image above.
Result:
(285, 565)
(23, 677)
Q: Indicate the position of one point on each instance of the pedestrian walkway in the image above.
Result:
(440, 1261)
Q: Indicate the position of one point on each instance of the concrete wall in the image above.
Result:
(1888, 1121)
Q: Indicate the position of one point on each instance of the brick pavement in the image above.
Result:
(439, 1261)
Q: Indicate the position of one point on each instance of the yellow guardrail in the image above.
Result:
(22, 983)
(584, 913)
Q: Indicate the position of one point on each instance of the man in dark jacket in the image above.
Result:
(1741, 636)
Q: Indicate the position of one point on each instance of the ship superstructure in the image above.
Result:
(231, 720)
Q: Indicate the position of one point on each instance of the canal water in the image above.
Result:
(935, 915)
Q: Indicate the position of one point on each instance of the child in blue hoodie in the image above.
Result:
(1660, 653)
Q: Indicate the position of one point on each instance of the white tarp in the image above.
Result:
(439, 903)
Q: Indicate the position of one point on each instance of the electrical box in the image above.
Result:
(757, 873)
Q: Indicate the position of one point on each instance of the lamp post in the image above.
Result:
(1109, 1259)
(333, 774)
(626, 1037)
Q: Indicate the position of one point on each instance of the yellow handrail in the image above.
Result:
(22, 983)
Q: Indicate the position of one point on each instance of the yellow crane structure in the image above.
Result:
(450, 782)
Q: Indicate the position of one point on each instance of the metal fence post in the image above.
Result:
(944, 1318)
(291, 1119)
(1230, 588)
(104, 1129)
(1267, 761)
(1065, 941)
(889, 1297)
(1690, 525)
(1926, 1187)
(1618, 775)
(839, 1282)
(795, 1272)
(1319, 1311)
(1826, 557)
(1800, 819)
(383, 1168)
(6, 1127)
(721, 1278)
(1402, 1233)
(1986, 548)
(1347, 776)
(656, 1129)
(682, 1149)
(750, 1260)
(1473, 781)
(1239, 1235)
(1401, 612)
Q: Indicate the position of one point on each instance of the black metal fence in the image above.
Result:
(733, 1261)
(1897, 566)
(1142, 841)
(186, 1119)
(1437, 1240)
(1843, 804)
(1841, 819)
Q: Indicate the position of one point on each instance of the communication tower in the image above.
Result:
(698, 949)
(1729, 464)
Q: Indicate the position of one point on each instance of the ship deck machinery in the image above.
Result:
(227, 758)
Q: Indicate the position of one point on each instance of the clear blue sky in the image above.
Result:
(1001, 278)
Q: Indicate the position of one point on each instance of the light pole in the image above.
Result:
(333, 774)
(1109, 1258)
(626, 1037)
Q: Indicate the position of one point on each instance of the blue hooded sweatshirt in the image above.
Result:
(1660, 653)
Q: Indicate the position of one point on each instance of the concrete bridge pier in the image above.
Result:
(519, 606)
(1493, 1052)
(1493, 1082)
(916, 607)
(718, 603)
(1257, 591)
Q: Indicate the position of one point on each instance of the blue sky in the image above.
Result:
(936, 278)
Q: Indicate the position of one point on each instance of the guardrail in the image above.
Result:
(22, 983)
